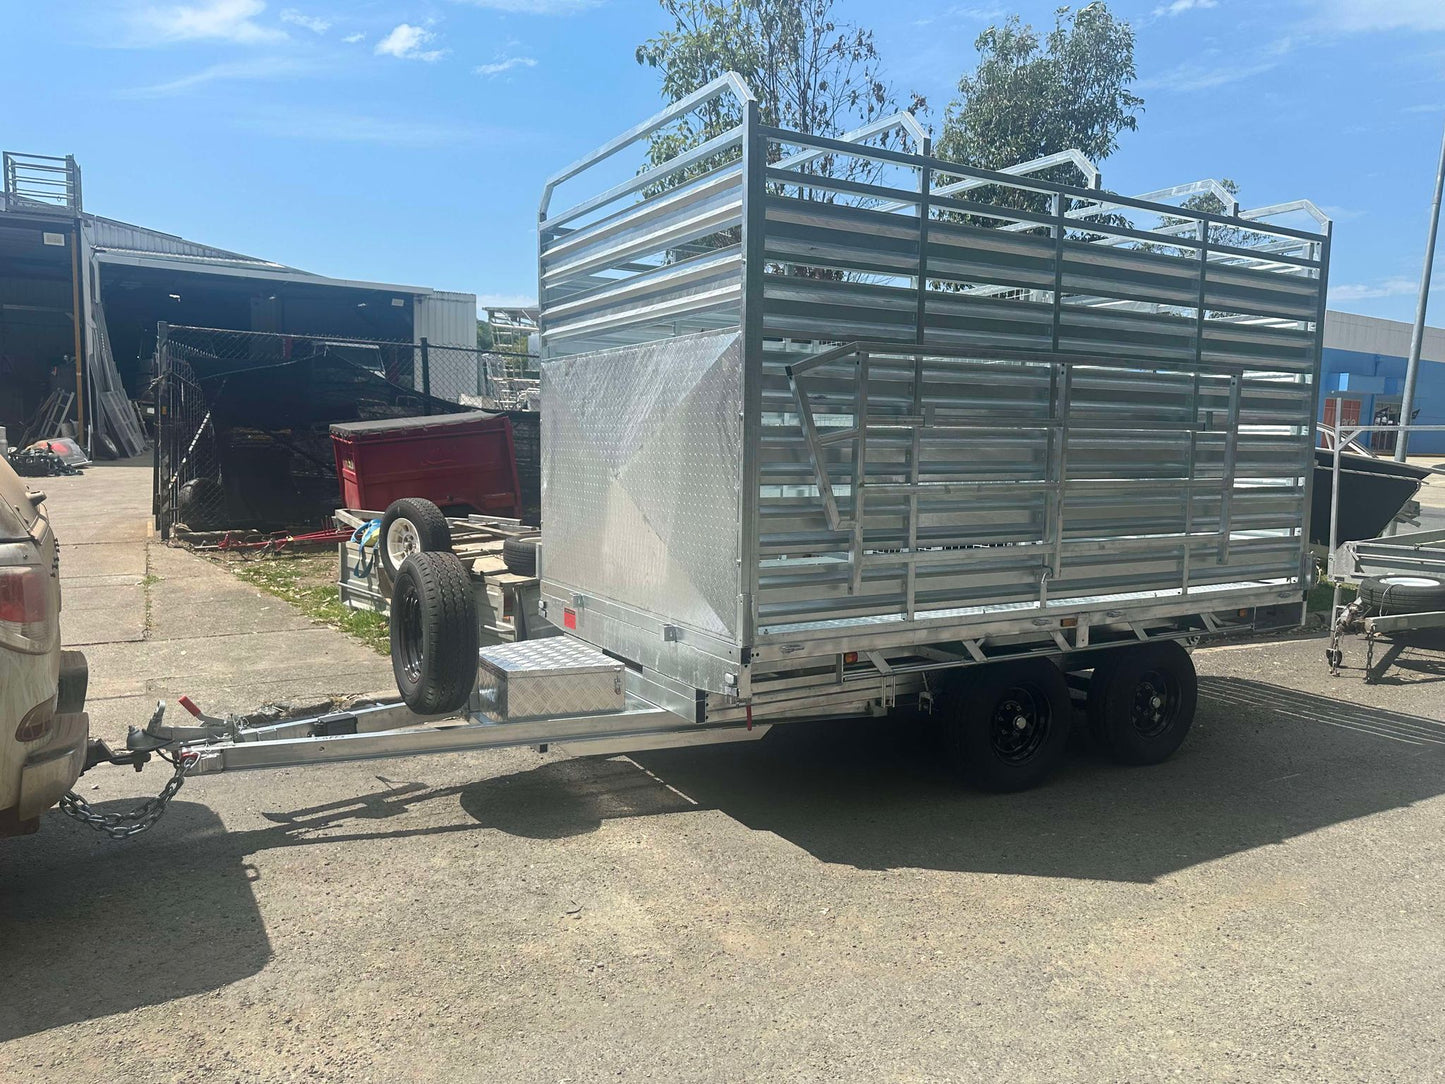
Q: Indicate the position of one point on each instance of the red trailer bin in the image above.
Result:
(453, 460)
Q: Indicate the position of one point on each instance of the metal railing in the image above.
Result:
(42, 182)
(1402, 549)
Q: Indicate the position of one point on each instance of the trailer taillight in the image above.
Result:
(26, 622)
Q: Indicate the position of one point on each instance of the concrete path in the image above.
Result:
(158, 622)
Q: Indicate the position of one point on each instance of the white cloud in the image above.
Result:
(534, 7)
(343, 127)
(500, 66)
(1354, 16)
(405, 42)
(1192, 77)
(314, 23)
(212, 20)
(1179, 7)
(1395, 286)
(352, 39)
(1208, 74)
(264, 67)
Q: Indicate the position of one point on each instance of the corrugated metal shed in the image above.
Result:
(111, 234)
(446, 319)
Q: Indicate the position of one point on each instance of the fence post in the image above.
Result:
(162, 406)
(425, 377)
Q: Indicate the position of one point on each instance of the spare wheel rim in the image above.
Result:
(402, 540)
(1409, 581)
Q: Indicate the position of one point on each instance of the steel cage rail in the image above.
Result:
(1150, 448)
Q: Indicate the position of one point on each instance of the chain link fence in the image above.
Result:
(243, 418)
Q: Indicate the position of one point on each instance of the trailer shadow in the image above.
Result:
(90, 927)
(1264, 764)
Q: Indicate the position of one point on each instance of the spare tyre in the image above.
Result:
(201, 504)
(411, 525)
(433, 633)
(1404, 593)
(520, 555)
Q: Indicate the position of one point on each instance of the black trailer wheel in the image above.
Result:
(1007, 724)
(520, 555)
(1141, 702)
(433, 633)
(1404, 593)
(411, 525)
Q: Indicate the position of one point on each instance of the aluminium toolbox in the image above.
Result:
(538, 679)
(464, 460)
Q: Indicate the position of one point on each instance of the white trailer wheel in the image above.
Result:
(410, 526)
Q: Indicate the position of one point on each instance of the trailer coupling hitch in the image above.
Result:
(140, 745)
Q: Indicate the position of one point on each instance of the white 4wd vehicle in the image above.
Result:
(43, 725)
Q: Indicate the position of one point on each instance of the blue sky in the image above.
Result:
(407, 140)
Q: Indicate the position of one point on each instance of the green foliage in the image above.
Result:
(1030, 97)
(308, 582)
(811, 73)
(484, 335)
(1211, 204)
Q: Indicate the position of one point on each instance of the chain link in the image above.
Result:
(132, 822)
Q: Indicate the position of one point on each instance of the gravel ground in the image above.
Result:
(823, 905)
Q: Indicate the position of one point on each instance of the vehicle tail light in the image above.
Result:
(37, 722)
(26, 622)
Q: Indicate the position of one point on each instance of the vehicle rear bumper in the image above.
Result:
(51, 770)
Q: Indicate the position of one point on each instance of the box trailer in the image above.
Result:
(831, 427)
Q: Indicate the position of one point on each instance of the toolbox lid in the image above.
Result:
(411, 425)
(551, 655)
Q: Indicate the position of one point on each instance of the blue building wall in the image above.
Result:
(1382, 376)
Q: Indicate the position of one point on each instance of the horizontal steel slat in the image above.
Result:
(660, 233)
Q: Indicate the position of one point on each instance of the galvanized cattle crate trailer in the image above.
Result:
(831, 427)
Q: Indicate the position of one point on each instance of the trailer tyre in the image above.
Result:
(1142, 701)
(1007, 726)
(411, 525)
(1404, 593)
(434, 633)
(520, 555)
(201, 504)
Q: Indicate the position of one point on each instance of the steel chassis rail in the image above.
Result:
(391, 729)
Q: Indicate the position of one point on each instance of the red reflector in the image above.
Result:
(569, 619)
(850, 657)
(22, 595)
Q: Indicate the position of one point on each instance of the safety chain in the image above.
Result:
(134, 821)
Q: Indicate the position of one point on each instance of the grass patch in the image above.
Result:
(307, 581)
(1322, 596)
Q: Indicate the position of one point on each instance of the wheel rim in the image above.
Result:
(409, 605)
(1408, 581)
(402, 541)
(1020, 724)
(1155, 704)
